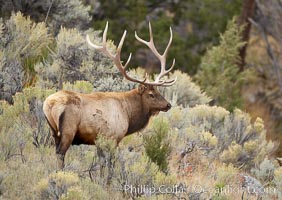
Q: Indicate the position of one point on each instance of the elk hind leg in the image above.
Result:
(64, 140)
(62, 147)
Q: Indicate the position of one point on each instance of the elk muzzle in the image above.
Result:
(168, 106)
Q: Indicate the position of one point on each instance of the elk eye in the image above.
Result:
(152, 95)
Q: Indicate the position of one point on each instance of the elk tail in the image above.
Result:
(49, 118)
(61, 122)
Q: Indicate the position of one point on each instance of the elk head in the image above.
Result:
(151, 97)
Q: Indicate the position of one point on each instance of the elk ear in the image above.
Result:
(141, 88)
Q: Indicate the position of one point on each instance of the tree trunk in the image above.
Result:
(248, 10)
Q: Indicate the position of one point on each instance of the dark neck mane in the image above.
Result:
(138, 113)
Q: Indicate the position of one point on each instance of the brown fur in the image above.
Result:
(77, 118)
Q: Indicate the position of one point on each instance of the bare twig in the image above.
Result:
(48, 12)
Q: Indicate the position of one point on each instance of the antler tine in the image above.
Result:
(167, 82)
(115, 57)
(119, 51)
(150, 44)
(91, 44)
(164, 72)
(161, 57)
(102, 48)
(169, 42)
(163, 61)
(121, 41)
(170, 83)
(151, 33)
(104, 39)
(119, 64)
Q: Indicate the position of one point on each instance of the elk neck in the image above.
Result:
(138, 113)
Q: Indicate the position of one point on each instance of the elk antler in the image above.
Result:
(162, 57)
(122, 68)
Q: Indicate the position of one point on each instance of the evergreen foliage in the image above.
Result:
(218, 74)
(156, 144)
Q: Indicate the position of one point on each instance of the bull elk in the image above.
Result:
(76, 118)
